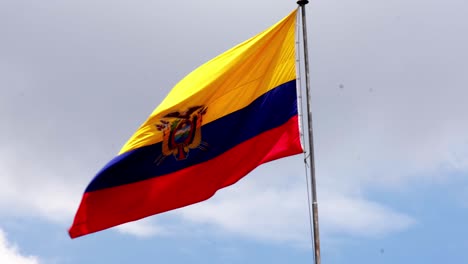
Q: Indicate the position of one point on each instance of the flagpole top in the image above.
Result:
(302, 2)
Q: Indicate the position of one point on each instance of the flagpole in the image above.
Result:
(302, 4)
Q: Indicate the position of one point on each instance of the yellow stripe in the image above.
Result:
(230, 81)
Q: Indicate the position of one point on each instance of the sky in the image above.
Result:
(388, 87)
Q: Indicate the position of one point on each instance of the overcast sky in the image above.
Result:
(390, 108)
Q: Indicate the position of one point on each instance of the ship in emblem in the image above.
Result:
(181, 132)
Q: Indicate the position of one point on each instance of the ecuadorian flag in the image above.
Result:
(221, 121)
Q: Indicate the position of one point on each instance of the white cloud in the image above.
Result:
(36, 190)
(9, 254)
(272, 206)
(264, 214)
(142, 228)
(400, 116)
(340, 214)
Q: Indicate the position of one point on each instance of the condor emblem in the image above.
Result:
(181, 132)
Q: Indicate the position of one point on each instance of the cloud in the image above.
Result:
(254, 212)
(10, 253)
(142, 228)
(388, 92)
(340, 214)
(35, 190)
(272, 206)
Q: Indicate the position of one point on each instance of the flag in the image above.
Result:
(217, 124)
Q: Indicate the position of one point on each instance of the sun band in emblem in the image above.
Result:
(181, 132)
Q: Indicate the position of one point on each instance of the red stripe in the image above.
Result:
(106, 208)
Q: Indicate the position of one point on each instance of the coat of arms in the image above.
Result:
(181, 132)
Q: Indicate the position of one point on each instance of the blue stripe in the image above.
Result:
(270, 110)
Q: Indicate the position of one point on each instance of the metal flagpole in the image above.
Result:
(302, 4)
